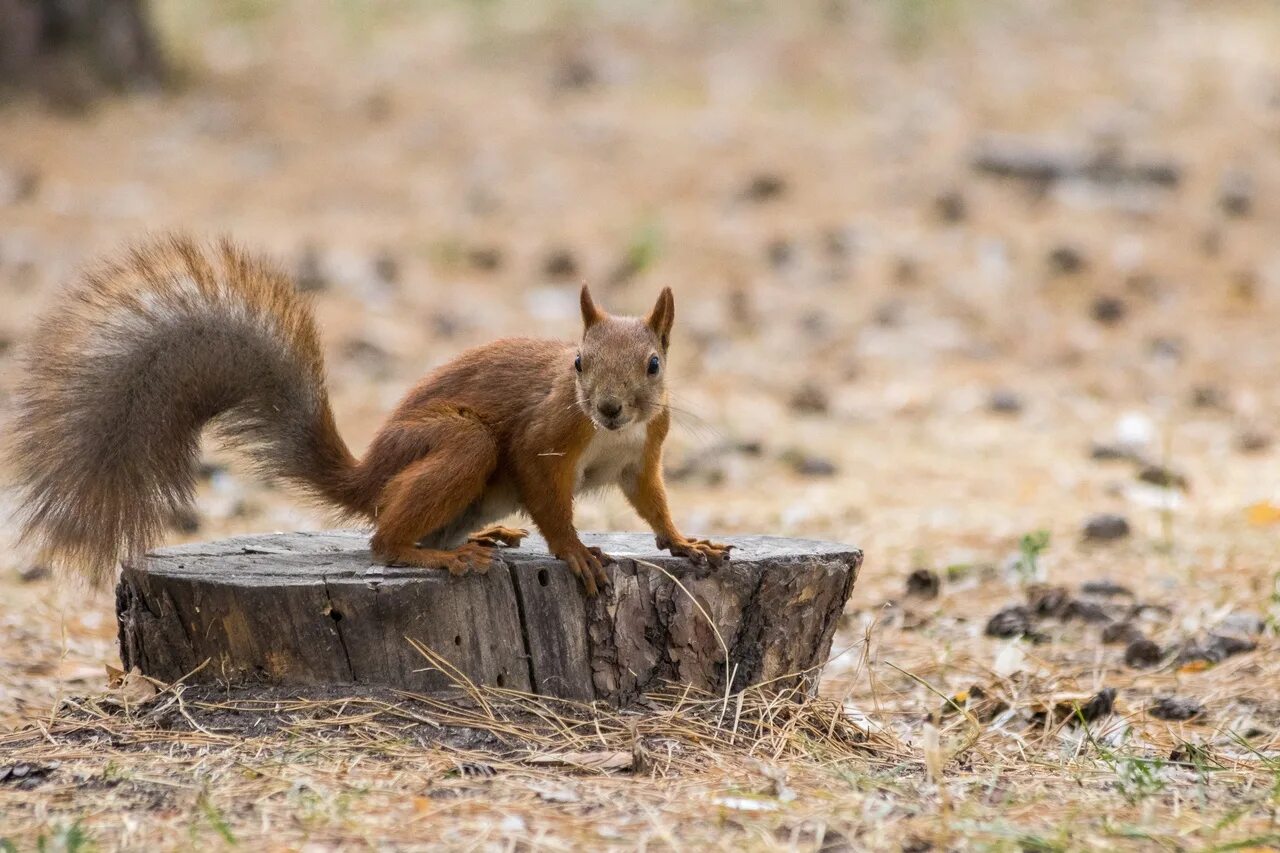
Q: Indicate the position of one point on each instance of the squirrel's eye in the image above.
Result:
(577, 363)
(654, 365)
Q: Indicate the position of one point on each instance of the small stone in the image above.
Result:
(807, 465)
(386, 267)
(1253, 441)
(18, 185)
(780, 253)
(1108, 310)
(906, 271)
(575, 73)
(1066, 260)
(765, 186)
(910, 844)
(1194, 754)
(1164, 477)
(1235, 193)
(1047, 600)
(1087, 611)
(309, 271)
(1243, 623)
(1004, 402)
(378, 106)
(26, 775)
(889, 313)
(1211, 242)
(839, 243)
(809, 399)
(950, 206)
(1103, 704)
(1103, 452)
(1106, 527)
(1244, 285)
(1012, 621)
(1167, 348)
(485, 258)
(368, 356)
(814, 323)
(1121, 632)
(1209, 397)
(1175, 709)
(446, 325)
(560, 263)
(1142, 653)
(1215, 649)
(924, 583)
(1144, 284)
(1105, 589)
(34, 573)
(741, 309)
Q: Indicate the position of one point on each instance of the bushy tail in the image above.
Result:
(126, 370)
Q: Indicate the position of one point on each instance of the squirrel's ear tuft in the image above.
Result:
(590, 313)
(663, 316)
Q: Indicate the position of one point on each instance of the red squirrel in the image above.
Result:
(142, 353)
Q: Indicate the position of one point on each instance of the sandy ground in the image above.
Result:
(926, 356)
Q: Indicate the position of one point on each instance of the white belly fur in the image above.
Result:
(610, 454)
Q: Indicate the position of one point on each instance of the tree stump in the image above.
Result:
(313, 609)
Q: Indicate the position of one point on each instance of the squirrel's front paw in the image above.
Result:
(697, 551)
(588, 564)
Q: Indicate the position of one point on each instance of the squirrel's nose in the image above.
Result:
(609, 408)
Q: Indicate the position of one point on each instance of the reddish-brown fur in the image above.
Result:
(141, 354)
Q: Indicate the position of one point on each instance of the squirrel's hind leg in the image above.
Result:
(432, 493)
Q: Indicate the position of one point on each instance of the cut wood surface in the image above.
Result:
(314, 609)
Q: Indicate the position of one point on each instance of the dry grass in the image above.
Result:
(493, 767)
(437, 156)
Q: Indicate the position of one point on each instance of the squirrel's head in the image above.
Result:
(621, 364)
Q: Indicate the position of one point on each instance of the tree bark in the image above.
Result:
(313, 609)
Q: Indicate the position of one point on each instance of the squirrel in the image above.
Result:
(141, 353)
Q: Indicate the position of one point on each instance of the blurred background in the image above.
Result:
(947, 273)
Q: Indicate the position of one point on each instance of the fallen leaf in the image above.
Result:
(1263, 514)
(129, 688)
(26, 775)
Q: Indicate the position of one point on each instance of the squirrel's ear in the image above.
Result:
(590, 313)
(663, 316)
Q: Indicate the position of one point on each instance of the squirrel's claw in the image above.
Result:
(700, 552)
(588, 565)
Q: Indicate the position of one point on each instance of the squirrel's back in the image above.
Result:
(126, 369)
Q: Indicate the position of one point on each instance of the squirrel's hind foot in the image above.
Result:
(470, 558)
(497, 535)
